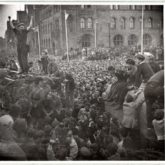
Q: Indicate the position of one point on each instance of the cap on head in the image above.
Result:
(111, 68)
(130, 61)
(140, 57)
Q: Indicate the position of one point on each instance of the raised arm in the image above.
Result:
(31, 23)
(11, 23)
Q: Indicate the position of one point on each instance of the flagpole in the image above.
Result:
(39, 48)
(142, 30)
(66, 32)
(95, 33)
(109, 26)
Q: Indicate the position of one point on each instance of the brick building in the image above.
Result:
(94, 25)
(2, 43)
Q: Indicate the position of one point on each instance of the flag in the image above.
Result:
(66, 15)
(36, 29)
(26, 9)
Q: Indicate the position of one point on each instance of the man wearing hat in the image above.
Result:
(22, 48)
(144, 70)
(45, 61)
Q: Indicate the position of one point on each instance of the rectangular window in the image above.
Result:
(89, 6)
(70, 25)
(132, 23)
(113, 23)
(148, 7)
(132, 7)
(111, 7)
(123, 23)
(82, 23)
(82, 6)
(51, 27)
(89, 23)
(57, 26)
(55, 9)
(116, 7)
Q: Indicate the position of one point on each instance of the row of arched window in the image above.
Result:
(86, 23)
(132, 39)
(148, 23)
(46, 28)
(131, 7)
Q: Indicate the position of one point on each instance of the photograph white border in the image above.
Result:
(85, 2)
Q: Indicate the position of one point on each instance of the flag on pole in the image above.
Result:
(66, 15)
(66, 32)
(96, 33)
(26, 9)
(36, 29)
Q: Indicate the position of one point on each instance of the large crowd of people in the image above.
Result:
(103, 53)
(58, 110)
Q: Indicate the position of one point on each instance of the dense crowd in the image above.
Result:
(102, 53)
(58, 112)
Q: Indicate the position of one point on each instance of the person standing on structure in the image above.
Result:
(22, 48)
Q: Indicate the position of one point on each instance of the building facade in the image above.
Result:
(2, 43)
(93, 26)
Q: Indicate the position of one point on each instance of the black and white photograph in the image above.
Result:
(82, 82)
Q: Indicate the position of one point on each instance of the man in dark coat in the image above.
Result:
(22, 48)
(144, 71)
(153, 91)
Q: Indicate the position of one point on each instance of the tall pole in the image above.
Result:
(109, 27)
(142, 30)
(95, 33)
(66, 32)
(39, 48)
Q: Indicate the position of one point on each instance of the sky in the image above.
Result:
(5, 11)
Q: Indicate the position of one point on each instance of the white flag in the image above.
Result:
(66, 15)
(26, 9)
(36, 29)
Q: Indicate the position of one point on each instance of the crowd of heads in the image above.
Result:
(51, 122)
(103, 53)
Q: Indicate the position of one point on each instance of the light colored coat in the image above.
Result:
(130, 111)
(129, 115)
